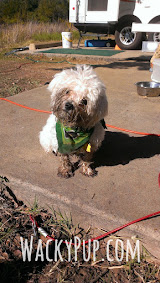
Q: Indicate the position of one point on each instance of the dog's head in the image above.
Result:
(78, 97)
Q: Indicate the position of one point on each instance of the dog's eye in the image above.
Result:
(67, 91)
(83, 102)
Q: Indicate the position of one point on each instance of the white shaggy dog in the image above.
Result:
(79, 104)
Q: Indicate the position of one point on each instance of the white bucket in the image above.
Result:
(66, 39)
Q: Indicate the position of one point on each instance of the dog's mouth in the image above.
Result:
(75, 117)
(69, 116)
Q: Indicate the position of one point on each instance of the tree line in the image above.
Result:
(13, 11)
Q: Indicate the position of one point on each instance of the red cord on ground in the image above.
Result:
(110, 126)
(26, 107)
(130, 131)
(105, 234)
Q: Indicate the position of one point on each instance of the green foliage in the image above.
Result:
(13, 11)
(52, 36)
(44, 36)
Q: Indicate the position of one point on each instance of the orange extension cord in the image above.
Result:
(109, 126)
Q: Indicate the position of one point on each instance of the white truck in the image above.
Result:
(129, 20)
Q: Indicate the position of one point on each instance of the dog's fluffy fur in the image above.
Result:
(86, 94)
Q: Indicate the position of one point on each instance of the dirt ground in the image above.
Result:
(24, 72)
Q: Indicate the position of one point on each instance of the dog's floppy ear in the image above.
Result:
(59, 82)
(52, 84)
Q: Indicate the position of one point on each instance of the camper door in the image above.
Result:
(102, 11)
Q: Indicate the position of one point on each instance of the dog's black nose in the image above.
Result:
(69, 106)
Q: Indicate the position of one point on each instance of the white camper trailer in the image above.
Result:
(116, 17)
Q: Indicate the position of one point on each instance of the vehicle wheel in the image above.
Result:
(125, 38)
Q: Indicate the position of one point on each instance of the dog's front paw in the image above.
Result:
(65, 172)
(87, 170)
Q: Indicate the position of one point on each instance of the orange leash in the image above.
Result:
(130, 131)
(109, 126)
(26, 107)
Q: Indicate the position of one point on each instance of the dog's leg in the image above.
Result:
(87, 170)
(95, 141)
(66, 168)
(86, 163)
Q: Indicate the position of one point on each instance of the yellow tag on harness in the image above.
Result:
(88, 149)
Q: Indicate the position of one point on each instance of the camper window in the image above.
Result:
(100, 5)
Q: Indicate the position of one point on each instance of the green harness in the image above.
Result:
(71, 139)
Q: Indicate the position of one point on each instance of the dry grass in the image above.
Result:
(16, 34)
(15, 222)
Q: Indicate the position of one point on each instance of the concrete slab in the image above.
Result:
(126, 55)
(126, 187)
